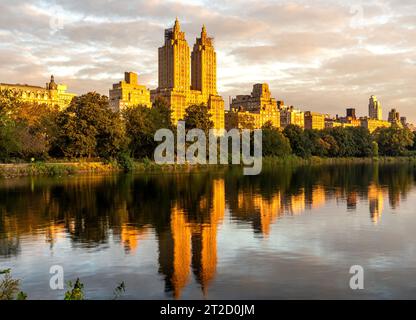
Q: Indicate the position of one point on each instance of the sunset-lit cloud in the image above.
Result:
(317, 55)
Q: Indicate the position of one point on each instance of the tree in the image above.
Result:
(8, 143)
(344, 140)
(25, 130)
(274, 143)
(374, 149)
(300, 145)
(141, 125)
(362, 140)
(198, 116)
(88, 127)
(318, 146)
(162, 114)
(9, 101)
(393, 141)
(332, 148)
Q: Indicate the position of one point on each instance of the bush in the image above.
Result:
(125, 162)
(9, 287)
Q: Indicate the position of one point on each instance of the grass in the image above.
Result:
(54, 169)
(146, 165)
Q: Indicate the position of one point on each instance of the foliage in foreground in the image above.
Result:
(10, 288)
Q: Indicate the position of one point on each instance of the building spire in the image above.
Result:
(52, 84)
(176, 27)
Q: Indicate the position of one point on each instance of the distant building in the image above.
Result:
(178, 86)
(332, 123)
(403, 121)
(253, 111)
(129, 93)
(351, 113)
(240, 119)
(289, 115)
(374, 109)
(314, 120)
(394, 116)
(350, 120)
(52, 94)
(374, 124)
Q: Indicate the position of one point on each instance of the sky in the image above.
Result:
(316, 55)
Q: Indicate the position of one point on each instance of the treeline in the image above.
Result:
(338, 142)
(88, 128)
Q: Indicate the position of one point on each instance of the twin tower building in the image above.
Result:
(184, 79)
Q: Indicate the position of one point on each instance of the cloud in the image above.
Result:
(322, 55)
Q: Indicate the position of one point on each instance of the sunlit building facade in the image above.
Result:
(374, 109)
(129, 93)
(52, 94)
(253, 111)
(290, 115)
(178, 86)
(373, 124)
(314, 120)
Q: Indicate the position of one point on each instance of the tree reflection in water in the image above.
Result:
(184, 210)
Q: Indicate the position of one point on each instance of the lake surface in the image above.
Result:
(285, 234)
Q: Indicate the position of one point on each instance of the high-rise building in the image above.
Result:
(174, 60)
(253, 111)
(290, 115)
(394, 116)
(314, 120)
(129, 93)
(351, 113)
(174, 75)
(204, 62)
(52, 94)
(374, 109)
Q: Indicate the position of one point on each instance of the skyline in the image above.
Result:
(356, 56)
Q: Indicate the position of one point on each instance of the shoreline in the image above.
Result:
(13, 170)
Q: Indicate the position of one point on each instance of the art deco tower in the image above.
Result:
(175, 76)
(204, 65)
(174, 62)
(374, 108)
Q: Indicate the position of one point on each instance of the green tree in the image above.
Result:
(394, 140)
(89, 128)
(318, 146)
(162, 114)
(9, 101)
(299, 143)
(198, 116)
(141, 125)
(362, 140)
(332, 148)
(24, 128)
(344, 140)
(274, 143)
(374, 149)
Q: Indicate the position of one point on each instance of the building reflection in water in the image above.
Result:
(375, 202)
(185, 213)
(187, 244)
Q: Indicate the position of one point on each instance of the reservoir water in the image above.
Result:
(289, 233)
